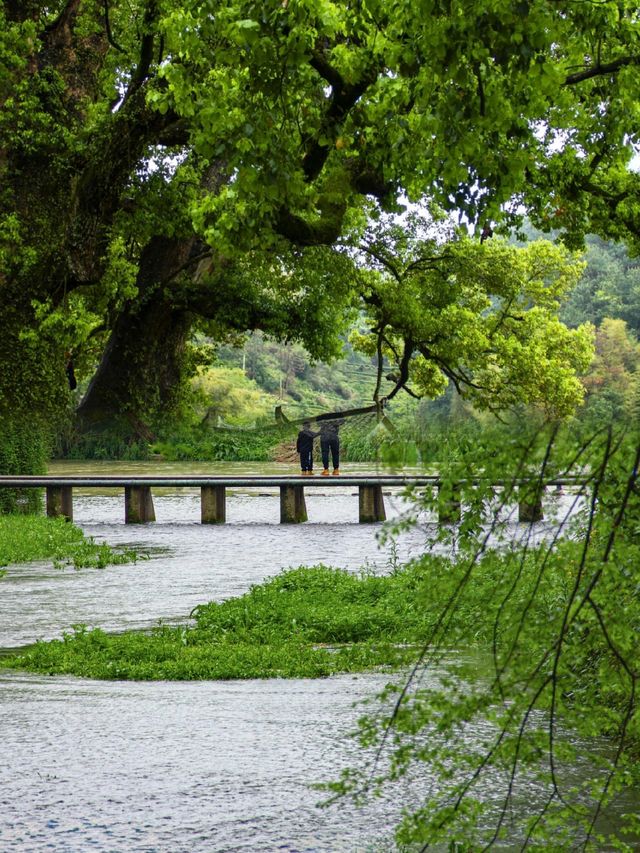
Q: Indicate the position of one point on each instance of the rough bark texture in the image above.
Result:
(66, 188)
(142, 367)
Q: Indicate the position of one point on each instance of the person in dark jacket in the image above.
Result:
(330, 442)
(71, 376)
(304, 446)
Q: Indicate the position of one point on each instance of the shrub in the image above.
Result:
(23, 450)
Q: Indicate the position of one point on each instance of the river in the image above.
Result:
(164, 767)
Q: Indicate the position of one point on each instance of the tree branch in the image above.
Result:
(376, 392)
(304, 233)
(343, 97)
(146, 50)
(458, 378)
(403, 367)
(600, 70)
(421, 263)
(383, 261)
(107, 26)
(66, 18)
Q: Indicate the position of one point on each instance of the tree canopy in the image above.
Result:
(481, 316)
(159, 160)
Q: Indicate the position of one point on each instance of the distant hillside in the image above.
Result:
(285, 373)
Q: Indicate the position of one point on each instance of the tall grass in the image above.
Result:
(23, 450)
(251, 445)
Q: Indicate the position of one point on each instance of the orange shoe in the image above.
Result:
(336, 472)
(325, 473)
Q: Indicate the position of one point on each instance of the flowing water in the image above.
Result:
(164, 767)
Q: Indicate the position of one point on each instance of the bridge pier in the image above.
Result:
(213, 505)
(449, 506)
(371, 504)
(293, 509)
(60, 502)
(138, 505)
(530, 506)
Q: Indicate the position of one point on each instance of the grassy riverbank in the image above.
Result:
(24, 538)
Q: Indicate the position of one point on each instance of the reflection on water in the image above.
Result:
(204, 766)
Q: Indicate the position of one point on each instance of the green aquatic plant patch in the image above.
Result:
(306, 622)
(24, 538)
(175, 654)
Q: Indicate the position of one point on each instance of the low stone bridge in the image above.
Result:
(138, 500)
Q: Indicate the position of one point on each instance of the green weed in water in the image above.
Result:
(24, 538)
(306, 622)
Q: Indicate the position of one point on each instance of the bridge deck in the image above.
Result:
(197, 481)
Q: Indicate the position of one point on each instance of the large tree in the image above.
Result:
(153, 153)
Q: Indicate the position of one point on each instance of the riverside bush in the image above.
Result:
(26, 538)
(101, 446)
(558, 624)
(23, 450)
(250, 445)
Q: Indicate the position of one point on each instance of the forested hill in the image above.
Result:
(609, 287)
(283, 375)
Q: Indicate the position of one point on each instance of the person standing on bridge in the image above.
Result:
(330, 441)
(304, 446)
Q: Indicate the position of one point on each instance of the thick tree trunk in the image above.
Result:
(141, 372)
(63, 190)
